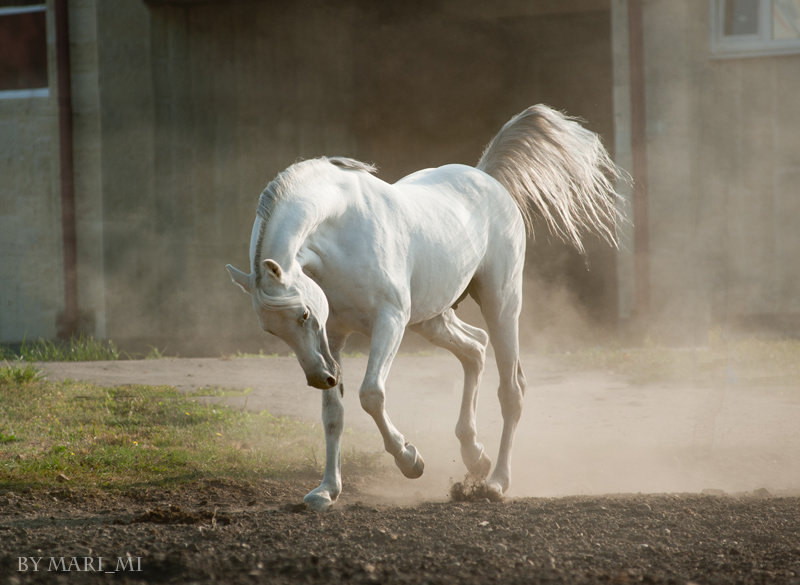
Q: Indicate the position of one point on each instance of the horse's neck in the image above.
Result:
(291, 223)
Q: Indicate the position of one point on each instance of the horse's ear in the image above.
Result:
(274, 269)
(240, 279)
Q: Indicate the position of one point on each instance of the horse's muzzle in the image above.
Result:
(323, 380)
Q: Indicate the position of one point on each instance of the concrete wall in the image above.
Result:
(183, 111)
(31, 273)
(31, 295)
(241, 90)
(127, 183)
(724, 179)
(87, 160)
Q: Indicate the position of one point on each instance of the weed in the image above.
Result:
(8, 437)
(260, 354)
(155, 353)
(20, 373)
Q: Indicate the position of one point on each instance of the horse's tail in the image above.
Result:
(553, 166)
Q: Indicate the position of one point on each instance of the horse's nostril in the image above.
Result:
(331, 381)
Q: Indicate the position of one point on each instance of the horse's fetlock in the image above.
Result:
(372, 400)
(465, 433)
(511, 402)
(512, 410)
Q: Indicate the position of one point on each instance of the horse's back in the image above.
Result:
(465, 220)
(484, 206)
(457, 185)
(462, 179)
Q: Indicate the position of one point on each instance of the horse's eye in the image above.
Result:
(305, 316)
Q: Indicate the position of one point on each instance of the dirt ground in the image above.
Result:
(705, 486)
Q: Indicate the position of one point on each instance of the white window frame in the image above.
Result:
(36, 92)
(756, 45)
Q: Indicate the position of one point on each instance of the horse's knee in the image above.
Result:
(332, 405)
(372, 400)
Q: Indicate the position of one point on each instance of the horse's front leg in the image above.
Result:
(386, 337)
(323, 497)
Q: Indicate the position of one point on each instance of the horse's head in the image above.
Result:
(294, 308)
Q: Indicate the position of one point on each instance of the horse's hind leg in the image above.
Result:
(501, 303)
(468, 344)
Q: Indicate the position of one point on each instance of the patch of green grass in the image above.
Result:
(752, 361)
(4, 438)
(81, 348)
(244, 354)
(132, 435)
(18, 373)
(213, 391)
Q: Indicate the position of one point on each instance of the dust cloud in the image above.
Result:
(580, 433)
(586, 430)
(595, 433)
(583, 431)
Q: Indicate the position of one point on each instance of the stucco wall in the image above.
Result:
(127, 164)
(723, 185)
(32, 270)
(87, 162)
(31, 294)
(30, 220)
(241, 90)
(183, 111)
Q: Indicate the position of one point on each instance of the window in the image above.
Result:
(749, 28)
(23, 50)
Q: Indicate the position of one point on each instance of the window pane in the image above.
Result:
(741, 17)
(23, 50)
(786, 19)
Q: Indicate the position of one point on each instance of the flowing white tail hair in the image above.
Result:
(554, 167)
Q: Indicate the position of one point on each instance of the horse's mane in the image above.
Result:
(286, 180)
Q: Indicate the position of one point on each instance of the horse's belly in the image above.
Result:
(442, 274)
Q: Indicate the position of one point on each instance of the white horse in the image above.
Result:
(336, 250)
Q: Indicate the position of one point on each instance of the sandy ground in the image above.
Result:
(582, 435)
(585, 433)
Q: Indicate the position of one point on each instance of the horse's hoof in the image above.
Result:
(481, 467)
(319, 500)
(410, 462)
(475, 490)
(497, 485)
(496, 489)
